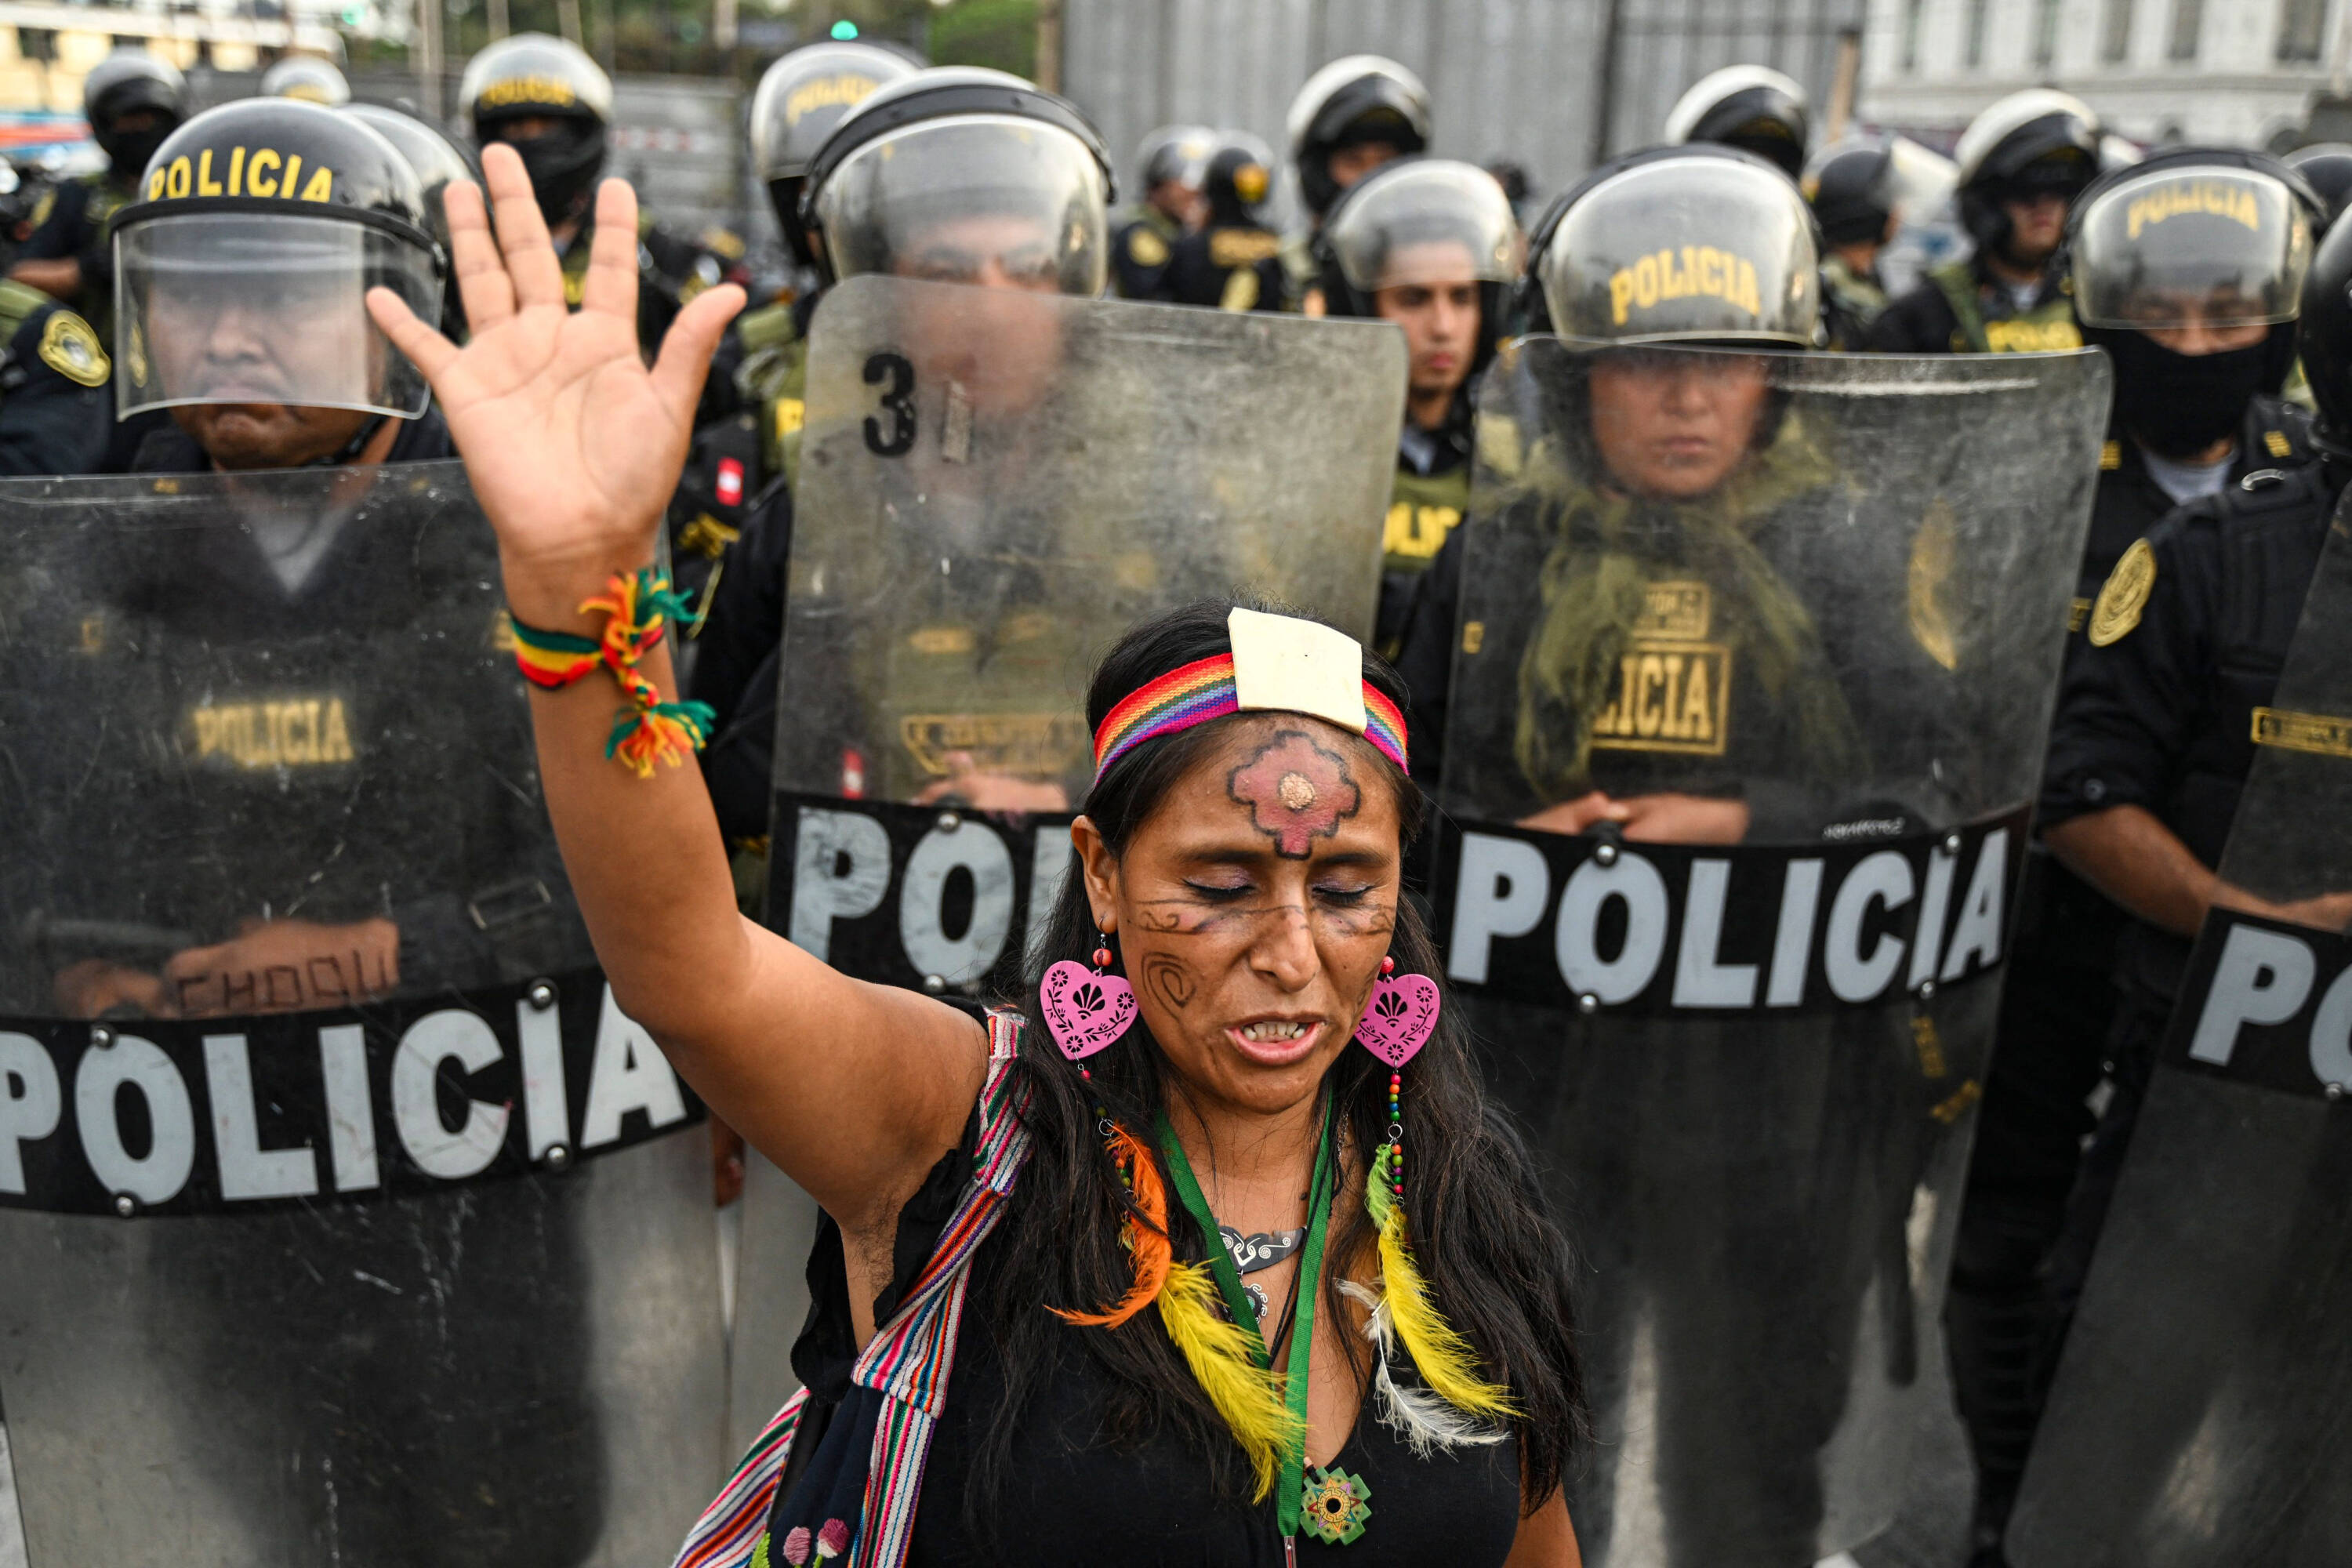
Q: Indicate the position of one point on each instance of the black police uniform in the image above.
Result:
(56, 404)
(1140, 250)
(2184, 643)
(2058, 1009)
(73, 226)
(1233, 267)
(737, 662)
(1960, 308)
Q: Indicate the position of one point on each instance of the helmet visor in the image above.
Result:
(2188, 247)
(1426, 224)
(1685, 250)
(999, 200)
(264, 308)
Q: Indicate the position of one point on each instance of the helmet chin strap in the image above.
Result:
(352, 448)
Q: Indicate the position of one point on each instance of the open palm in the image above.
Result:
(572, 444)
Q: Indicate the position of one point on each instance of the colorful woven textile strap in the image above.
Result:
(909, 1361)
(554, 659)
(638, 607)
(1205, 690)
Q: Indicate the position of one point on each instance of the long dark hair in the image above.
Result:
(1497, 1263)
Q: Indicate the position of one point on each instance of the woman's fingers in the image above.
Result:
(426, 349)
(482, 285)
(532, 268)
(612, 282)
(690, 341)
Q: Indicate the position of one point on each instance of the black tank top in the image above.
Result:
(1072, 1499)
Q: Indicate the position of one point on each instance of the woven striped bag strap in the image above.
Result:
(730, 1530)
(910, 1362)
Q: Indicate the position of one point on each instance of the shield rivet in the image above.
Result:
(949, 822)
(541, 995)
(101, 1038)
(125, 1204)
(1606, 855)
(2335, 1091)
(1926, 991)
(935, 983)
(1588, 1004)
(558, 1157)
(1952, 844)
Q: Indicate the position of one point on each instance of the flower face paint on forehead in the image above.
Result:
(1297, 791)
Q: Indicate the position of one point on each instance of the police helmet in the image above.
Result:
(2326, 339)
(952, 145)
(1178, 154)
(2031, 143)
(1427, 221)
(1753, 107)
(125, 82)
(800, 99)
(1851, 187)
(439, 163)
(2210, 236)
(2328, 166)
(1699, 244)
(242, 270)
(1351, 101)
(533, 76)
(308, 78)
(1237, 181)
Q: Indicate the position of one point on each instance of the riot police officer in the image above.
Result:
(2189, 269)
(132, 102)
(1852, 189)
(1351, 117)
(1753, 107)
(1428, 244)
(439, 163)
(956, 175)
(2327, 165)
(2022, 162)
(308, 79)
(244, 264)
(1174, 160)
(1232, 262)
(56, 407)
(553, 105)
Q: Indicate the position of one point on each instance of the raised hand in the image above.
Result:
(572, 444)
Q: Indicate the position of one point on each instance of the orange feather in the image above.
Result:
(1146, 1242)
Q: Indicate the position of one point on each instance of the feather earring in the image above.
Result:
(1146, 1242)
(1425, 1422)
(1447, 1362)
(1223, 1358)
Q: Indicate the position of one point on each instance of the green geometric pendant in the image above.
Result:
(1334, 1505)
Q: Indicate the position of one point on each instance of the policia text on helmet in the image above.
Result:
(553, 104)
(244, 269)
(2188, 269)
(800, 99)
(2021, 164)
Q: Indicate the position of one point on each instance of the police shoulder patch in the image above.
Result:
(2119, 604)
(71, 349)
(1146, 248)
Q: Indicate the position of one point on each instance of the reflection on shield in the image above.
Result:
(994, 487)
(1808, 610)
(343, 1215)
(2198, 1415)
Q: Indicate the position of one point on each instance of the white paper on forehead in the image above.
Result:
(1290, 665)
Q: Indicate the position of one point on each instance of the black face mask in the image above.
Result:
(2176, 405)
(563, 164)
(130, 151)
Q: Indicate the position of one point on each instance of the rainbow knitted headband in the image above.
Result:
(1279, 663)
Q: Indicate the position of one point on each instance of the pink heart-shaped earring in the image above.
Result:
(1085, 1009)
(1400, 1015)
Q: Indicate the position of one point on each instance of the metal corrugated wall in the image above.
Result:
(1514, 78)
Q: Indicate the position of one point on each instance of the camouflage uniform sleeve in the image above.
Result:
(55, 397)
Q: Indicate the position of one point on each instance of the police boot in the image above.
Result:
(1996, 1325)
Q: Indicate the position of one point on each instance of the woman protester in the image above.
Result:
(1017, 1347)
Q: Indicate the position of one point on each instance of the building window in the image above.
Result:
(2045, 32)
(1911, 14)
(38, 45)
(1976, 9)
(2115, 32)
(2301, 22)
(2188, 22)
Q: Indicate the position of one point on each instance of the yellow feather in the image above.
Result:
(1221, 1357)
(1447, 1362)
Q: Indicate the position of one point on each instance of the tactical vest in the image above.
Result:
(2048, 328)
(773, 377)
(1424, 508)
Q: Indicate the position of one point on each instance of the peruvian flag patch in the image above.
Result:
(731, 481)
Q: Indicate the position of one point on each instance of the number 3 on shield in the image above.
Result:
(899, 400)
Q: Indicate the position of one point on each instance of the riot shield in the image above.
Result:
(994, 486)
(2198, 1415)
(343, 1217)
(1753, 660)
